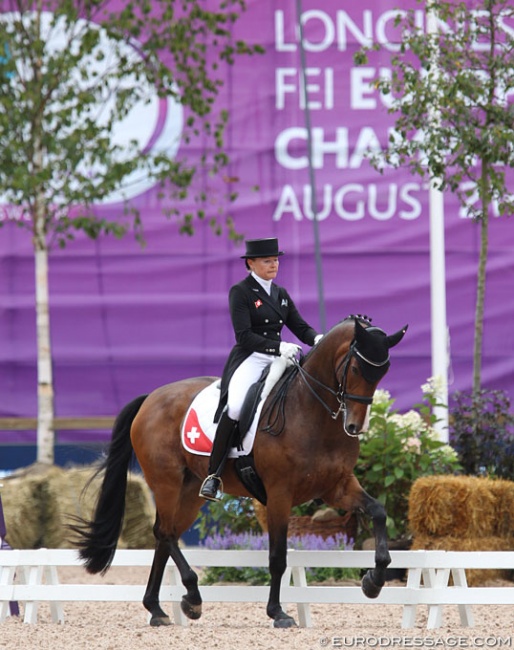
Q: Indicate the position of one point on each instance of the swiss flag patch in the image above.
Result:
(194, 437)
(258, 303)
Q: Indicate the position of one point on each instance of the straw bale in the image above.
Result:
(459, 506)
(20, 499)
(27, 508)
(41, 501)
(503, 493)
(139, 517)
(69, 499)
(260, 515)
(475, 577)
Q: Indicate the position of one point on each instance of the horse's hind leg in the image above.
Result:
(374, 579)
(177, 509)
(191, 603)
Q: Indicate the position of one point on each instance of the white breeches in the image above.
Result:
(245, 375)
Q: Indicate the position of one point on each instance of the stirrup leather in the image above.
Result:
(219, 488)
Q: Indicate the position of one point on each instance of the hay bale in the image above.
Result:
(42, 500)
(69, 499)
(260, 515)
(503, 493)
(475, 577)
(458, 506)
(26, 505)
(139, 517)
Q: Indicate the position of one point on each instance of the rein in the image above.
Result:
(340, 394)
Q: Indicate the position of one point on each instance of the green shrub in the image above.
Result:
(395, 451)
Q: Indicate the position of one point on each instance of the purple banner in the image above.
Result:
(125, 320)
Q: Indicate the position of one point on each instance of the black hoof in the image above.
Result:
(191, 611)
(158, 621)
(284, 622)
(369, 587)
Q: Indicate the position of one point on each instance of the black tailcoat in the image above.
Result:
(258, 320)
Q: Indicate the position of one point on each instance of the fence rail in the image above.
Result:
(31, 576)
(60, 424)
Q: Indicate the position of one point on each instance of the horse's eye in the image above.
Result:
(355, 370)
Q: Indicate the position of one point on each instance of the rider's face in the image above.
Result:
(265, 267)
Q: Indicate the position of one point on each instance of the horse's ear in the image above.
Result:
(394, 339)
(359, 331)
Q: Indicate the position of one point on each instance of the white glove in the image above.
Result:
(289, 350)
(317, 339)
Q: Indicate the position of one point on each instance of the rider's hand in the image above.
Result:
(317, 339)
(289, 350)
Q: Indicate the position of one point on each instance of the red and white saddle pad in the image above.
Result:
(198, 429)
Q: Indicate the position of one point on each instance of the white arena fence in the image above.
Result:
(31, 577)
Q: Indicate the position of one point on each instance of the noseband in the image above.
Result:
(341, 393)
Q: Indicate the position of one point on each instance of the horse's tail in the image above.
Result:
(97, 539)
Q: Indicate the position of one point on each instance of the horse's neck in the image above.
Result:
(321, 365)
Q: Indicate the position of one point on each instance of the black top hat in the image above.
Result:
(262, 248)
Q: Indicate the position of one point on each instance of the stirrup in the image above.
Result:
(210, 495)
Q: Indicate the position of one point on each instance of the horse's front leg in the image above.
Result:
(374, 579)
(277, 531)
(151, 597)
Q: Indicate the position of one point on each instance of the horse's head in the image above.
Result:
(363, 364)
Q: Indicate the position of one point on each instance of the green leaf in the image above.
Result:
(389, 480)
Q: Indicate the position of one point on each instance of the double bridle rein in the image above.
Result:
(341, 395)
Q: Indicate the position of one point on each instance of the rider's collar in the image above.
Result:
(265, 284)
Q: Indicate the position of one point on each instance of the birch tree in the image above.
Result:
(451, 93)
(70, 71)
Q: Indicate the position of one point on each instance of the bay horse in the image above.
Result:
(322, 404)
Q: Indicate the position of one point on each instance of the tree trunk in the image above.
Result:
(481, 276)
(45, 389)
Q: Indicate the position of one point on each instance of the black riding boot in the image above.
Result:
(220, 450)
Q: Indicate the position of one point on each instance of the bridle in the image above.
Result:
(341, 394)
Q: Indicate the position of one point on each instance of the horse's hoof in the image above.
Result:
(284, 622)
(191, 611)
(369, 587)
(157, 621)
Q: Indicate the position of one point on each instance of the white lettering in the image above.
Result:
(327, 27)
(344, 32)
(367, 142)
(320, 147)
(363, 93)
(390, 208)
(323, 86)
(361, 88)
(324, 212)
(288, 203)
(280, 43)
(353, 202)
(282, 154)
(411, 201)
(359, 207)
(364, 36)
(282, 87)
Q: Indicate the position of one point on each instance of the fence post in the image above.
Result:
(4, 546)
